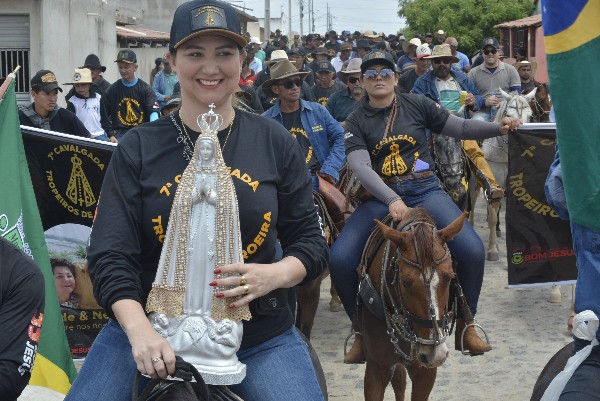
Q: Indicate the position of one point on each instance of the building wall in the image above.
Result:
(64, 32)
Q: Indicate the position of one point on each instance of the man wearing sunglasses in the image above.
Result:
(342, 103)
(320, 136)
(443, 85)
(491, 76)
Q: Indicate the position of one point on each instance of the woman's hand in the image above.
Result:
(255, 279)
(152, 353)
(398, 210)
(508, 124)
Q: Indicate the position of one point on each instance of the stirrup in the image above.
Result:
(462, 338)
(352, 333)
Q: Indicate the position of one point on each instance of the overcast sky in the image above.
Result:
(352, 15)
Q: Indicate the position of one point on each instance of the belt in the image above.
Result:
(407, 177)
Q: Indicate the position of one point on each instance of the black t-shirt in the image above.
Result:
(274, 194)
(22, 300)
(322, 94)
(127, 107)
(407, 80)
(293, 123)
(398, 152)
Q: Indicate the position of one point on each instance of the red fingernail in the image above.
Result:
(213, 284)
(217, 271)
(231, 306)
(220, 295)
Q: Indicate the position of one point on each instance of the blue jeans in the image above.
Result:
(277, 369)
(586, 244)
(466, 248)
(584, 384)
(102, 137)
(483, 116)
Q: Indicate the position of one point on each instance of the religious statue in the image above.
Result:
(203, 234)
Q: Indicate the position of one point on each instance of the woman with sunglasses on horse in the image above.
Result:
(387, 150)
(274, 198)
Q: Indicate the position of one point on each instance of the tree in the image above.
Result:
(469, 21)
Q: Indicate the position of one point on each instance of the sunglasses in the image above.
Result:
(488, 51)
(442, 60)
(353, 80)
(384, 73)
(290, 84)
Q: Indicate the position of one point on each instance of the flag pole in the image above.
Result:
(8, 80)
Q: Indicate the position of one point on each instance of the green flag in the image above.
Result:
(20, 224)
(572, 40)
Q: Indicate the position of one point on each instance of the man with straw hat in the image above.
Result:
(526, 70)
(309, 122)
(342, 103)
(408, 59)
(86, 104)
(444, 86)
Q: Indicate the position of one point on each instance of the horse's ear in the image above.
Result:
(529, 97)
(450, 231)
(397, 237)
(505, 95)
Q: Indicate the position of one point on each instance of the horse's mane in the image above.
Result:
(423, 236)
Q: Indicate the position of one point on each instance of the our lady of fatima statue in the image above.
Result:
(203, 234)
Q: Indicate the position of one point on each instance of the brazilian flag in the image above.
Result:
(20, 224)
(572, 41)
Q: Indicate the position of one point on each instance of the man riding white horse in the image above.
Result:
(444, 86)
(491, 76)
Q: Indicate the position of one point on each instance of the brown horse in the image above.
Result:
(541, 104)
(410, 274)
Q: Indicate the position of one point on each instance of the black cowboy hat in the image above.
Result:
(92, 61)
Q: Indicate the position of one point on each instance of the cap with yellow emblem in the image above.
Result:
(44, 80)
(205, 17)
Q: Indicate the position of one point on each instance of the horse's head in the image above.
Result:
(541, 104)
(419, 282)
(516, 106)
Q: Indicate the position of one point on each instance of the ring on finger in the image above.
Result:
(156, 359)
(246, 289)
(243, 280)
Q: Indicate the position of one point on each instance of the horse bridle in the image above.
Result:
(398, 318)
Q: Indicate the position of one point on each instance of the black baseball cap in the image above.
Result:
(205, 17)
(490, 42)
(44, 80)
(377, 57)
(325, 65)
(126, 56)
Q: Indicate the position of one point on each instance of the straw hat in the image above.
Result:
(525, 63)
(443, 51)
(281, 70)
(413, 41)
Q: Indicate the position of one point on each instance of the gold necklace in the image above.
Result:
(192, 144)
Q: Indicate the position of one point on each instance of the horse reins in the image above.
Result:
(400, 320)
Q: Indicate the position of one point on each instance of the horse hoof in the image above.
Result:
(555, 296)
(335, 306)
(493, 256)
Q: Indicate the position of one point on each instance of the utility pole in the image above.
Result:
(327, 23)
(267, 20)
(301, 4)
(312, 10)
(290, 19)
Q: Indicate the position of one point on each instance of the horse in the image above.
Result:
(496, 153)
(541, 104)
(407, 272)
(330, 203)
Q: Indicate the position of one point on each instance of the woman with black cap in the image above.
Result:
(386, 147)
(274, 199)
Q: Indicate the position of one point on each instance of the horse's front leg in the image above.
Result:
(307, 300)
(399, 381)
(422, 380)
(492, 218)
(335, 304)
(377, 378)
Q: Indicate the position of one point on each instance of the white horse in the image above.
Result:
(496, 153)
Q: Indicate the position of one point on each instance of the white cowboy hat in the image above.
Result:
(524, 63)
(413, 41)
(81, 76)
(353, 66)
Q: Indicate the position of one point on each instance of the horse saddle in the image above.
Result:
(366, 289)
(335, 203)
